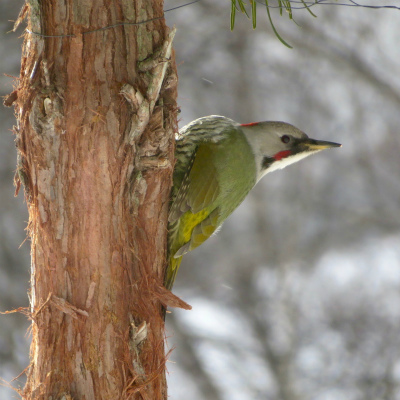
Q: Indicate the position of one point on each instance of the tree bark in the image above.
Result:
(96, 166)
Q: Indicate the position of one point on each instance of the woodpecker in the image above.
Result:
(218, 161)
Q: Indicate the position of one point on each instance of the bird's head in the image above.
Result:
(278, 144)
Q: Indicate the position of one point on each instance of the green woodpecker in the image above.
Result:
(218, 162)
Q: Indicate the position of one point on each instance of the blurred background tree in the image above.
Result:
(298, 295)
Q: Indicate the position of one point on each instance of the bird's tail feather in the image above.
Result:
(172, 270)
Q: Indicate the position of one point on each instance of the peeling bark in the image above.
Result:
(97, 173)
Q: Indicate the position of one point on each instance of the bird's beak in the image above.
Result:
(317, 145)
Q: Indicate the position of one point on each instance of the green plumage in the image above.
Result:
(209, 183)
(218, 161)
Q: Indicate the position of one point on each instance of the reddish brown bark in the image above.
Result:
(97, 198)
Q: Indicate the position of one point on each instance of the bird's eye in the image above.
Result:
(285, 139)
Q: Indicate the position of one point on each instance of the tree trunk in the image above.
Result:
(96, 166)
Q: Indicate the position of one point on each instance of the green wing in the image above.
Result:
(199, 187)
(194, 212)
